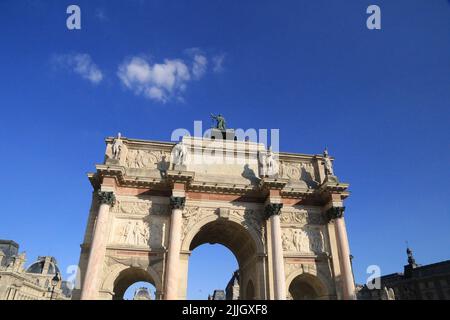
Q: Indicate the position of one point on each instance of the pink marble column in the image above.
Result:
(279, 279)
(97, 248)
(348, 285)
(173, 255)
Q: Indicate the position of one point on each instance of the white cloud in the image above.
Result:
(156, 93)
(199, 66)
(81, 64)
(161, 82)
(218, 63)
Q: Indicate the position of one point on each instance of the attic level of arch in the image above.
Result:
(144, 168)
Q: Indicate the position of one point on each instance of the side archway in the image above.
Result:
(121, 277)
(305, 286)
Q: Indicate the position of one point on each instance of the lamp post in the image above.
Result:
(55, 281)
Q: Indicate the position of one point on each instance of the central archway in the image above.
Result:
(211, 267)
(245, 244)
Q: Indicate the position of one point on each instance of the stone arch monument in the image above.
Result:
(151, 206)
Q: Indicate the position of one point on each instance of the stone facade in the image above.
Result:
(147, 216)
(32, 283)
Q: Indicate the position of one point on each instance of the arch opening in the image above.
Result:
(237, 239)
(210, 270)
(306, 287)
(128, 278)
(140, 290)
(229, 234)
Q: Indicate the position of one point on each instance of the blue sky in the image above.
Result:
(378, 99)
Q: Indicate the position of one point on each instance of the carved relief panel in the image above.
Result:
(302, 231)
(307, 240)
(147, 159)
(299, 171)
(132, 233)
(301, 216)
(140, 223)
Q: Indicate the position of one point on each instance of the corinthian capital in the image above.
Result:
(273, 209)
(106, 197)
(177, 202)
(335, 213)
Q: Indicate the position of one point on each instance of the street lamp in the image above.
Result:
(55, 281)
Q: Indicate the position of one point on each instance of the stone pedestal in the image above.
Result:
(179, 167)
(98, 247)
(331, 179)
(228, 134)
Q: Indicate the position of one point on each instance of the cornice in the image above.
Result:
(119, 173)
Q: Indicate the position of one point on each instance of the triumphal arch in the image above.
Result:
(153, 203)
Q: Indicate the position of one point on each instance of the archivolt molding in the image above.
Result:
(194, 217)
(114, 266)
(294, 270)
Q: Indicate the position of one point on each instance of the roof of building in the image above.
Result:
(142, 293)
(39, 267)
(9, 242)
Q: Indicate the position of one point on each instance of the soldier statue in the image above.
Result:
(178, 155)
(117, 147)
(269, 164)
(220, 122)
(327, 163)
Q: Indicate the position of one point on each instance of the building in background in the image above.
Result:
(417, 282)
(40, 281)
(217, 295)
(232, 289)
(142, 293)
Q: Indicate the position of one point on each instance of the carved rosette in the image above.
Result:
(335, 213)
(177, 202)
(106, 197)
(273, 209)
